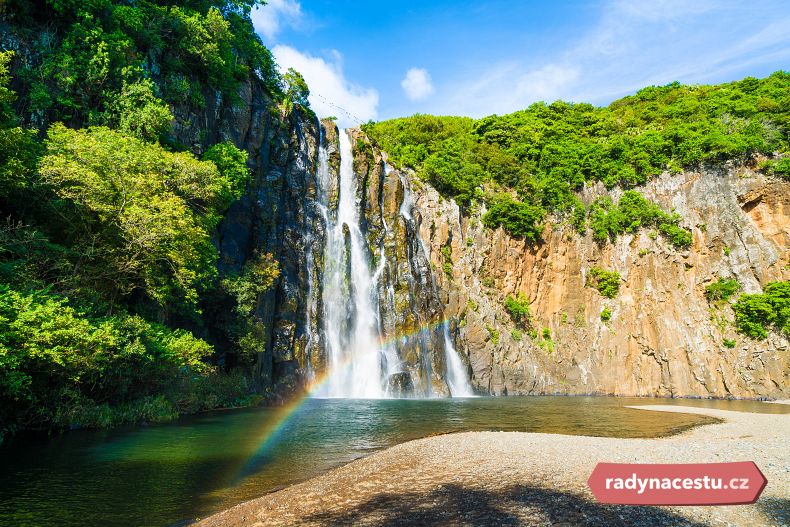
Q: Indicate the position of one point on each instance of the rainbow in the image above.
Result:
(291, 408)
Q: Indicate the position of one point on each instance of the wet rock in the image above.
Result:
(400, 385)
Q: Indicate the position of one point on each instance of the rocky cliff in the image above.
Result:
(435, 264)
(277, 215)
(664, 338)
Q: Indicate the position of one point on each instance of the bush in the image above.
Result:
(545, 153)
(519, 219)
(518, 308)
(64, 366)
(606, 282)
(756, 314)
(632, 212)
(721, 289)
(494, 334)
(606, 315)
(729, 343)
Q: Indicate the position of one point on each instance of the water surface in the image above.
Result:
(160, 475)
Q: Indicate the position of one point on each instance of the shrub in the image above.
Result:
(755, 314)
(518, 308)
(606, 282)
(59, 364)
(516, 335)
(606, 314)
(519, 219)
(721, 289)
(608, 220)
(729, 343)
(494, 334)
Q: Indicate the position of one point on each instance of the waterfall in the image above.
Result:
(357, 301)
(456, 373)
(350, 304)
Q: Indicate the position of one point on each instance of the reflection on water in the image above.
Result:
(155, 476)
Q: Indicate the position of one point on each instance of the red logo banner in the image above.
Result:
(677, 484)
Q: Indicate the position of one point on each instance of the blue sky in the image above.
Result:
(378, 60)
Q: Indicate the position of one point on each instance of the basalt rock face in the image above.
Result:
(410, 307)
(276, 215)
(664, 338)
(433, 263)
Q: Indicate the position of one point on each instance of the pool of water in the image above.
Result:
(162, 475)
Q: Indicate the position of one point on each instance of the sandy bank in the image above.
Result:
(514, 478)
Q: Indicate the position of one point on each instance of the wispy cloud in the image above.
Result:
(269, 19)
(633, 44)
(331, 93)
(417, 84)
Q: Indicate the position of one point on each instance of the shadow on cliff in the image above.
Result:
(512, 506)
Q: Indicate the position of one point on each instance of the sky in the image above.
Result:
(378, 60)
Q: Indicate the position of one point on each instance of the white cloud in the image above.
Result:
(330, 92)
(417, 84)
(270, 18)
(508, 87)
(632, 45)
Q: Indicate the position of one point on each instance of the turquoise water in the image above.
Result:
(161, 475)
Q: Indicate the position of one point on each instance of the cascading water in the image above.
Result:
(359, 301)
(456, 373)
(350, 311)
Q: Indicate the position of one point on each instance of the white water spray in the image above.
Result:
(359, 363)
(351, 325)
(456, 373)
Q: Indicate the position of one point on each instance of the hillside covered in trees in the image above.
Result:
(107, 261)
(528, 163)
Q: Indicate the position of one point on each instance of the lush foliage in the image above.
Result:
(756, 314)
(540, 156)
(518, 218)
(107, 265)
(518, 308)
(606, 315)
(142, 215)
(722, 289)
(606, 282)
(54, 358)
(95, 60)
(632, 212)
(18, 148)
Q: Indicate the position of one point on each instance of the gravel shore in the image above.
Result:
(515, 478)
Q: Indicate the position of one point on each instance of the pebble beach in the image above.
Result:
(515, 478)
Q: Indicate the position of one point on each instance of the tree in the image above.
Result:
(296, 88)
(18, 146)
(141, 216)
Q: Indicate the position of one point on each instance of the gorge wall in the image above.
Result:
(663, 339)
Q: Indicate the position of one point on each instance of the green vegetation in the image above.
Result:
(516, 335)
(606, 282)
(721, 289)
(95, 61)
(112, 309)
(518, 308)
(756, 314)
(631, 213)
(531, 162)
(606, 315)
(447, 257)
(729, 343)
(777, 167)
(494, 334)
